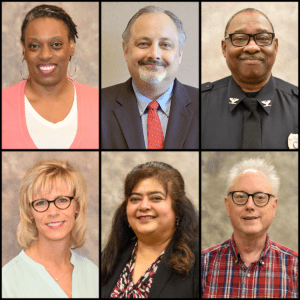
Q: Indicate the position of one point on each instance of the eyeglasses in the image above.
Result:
(61, 202)
(243, 39)
(259, 199)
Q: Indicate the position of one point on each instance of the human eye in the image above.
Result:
(157, 198)
(167, 45)
(134, 199)
(57, 45)
(142, 44)
(33, 46)
(40, 203)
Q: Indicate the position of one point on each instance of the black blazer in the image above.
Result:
(121, 126)
(166, 284)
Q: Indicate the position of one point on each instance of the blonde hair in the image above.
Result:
(41, 178)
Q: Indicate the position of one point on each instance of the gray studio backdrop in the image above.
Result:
(14, 167)
(116, 165)
(216, 226)
(214, 17)
(84, 14)
(114, 19)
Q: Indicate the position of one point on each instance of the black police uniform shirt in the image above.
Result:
(222, 113)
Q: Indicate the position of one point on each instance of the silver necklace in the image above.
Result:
(49, 272)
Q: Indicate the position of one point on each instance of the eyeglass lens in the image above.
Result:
(260, 199)
(42, 205)
(240, 39)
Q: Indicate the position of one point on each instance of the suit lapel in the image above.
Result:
(129, 118)
(180, 118)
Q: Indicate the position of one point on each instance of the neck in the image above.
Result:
(251, 86)
(54, 91)
(250, 247)
(53, 252)
(151, 247)
(152, 90)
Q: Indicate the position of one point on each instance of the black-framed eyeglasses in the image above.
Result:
(242, 39)
(61, 202)
(259, 198)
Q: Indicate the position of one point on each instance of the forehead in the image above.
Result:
(250, 181)
(46, 26)
(148, 184)
(156, 24)
(249, 22)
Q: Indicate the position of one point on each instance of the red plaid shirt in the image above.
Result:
(225, 275)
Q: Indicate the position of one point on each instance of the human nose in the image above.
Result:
(145, 203)
(250, 203)
(154, 51)
(252, 46)
(45, 53)
(52, 209)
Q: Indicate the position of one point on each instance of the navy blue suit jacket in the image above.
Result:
(121, 126)
(166, 284)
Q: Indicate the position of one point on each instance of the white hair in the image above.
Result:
(255, 165)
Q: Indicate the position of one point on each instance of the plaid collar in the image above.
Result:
(237, 256)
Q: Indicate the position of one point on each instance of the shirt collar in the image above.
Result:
(237, 256)
(143, 101)
(264, 97)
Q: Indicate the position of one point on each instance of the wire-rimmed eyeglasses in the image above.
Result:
(259, 198)
(261, 39)
(61, 202)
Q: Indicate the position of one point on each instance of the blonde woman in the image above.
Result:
(53, 223)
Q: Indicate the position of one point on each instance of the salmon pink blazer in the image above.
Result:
(15, 134)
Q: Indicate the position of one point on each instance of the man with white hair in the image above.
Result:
(250, 265)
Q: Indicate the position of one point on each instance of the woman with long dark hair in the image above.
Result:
(153, 247)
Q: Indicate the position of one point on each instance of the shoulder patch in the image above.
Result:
(206, 86)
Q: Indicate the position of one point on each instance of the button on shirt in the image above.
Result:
(163, 111)
(225, 275)
(223, 113)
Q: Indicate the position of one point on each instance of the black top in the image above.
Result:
(166, 283)
(222, 113)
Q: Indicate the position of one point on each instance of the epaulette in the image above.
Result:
(206, 86)
(286, 86)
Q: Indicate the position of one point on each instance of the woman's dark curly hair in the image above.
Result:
(49, 11)
(186, 236)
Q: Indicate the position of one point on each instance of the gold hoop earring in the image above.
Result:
(21, 70)
(70, 60)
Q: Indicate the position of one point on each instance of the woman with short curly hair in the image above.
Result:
(52, 205)
(153, 247)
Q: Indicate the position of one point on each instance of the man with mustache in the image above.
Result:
(250, 265)
(250, 109)
(152, 110)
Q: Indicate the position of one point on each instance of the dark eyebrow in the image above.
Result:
(53, 38)
(149, 193)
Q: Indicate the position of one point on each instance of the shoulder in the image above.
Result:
(114, 90)
(289, 253)
(83, 262)
(210, 252)
(286, 87)
(89, 92)
(192, 91)
(210, 86)
(11, 93)
(15, 268)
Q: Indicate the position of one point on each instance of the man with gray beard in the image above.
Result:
(152, 110)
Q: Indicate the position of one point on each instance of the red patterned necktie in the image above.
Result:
(154, 129)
